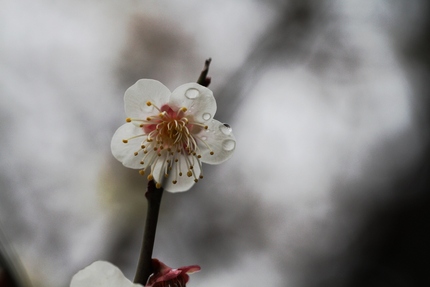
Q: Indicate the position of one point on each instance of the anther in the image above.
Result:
(148, 103)
(201, 176)
(196, 180)
(158, 185)
(128, 120)
(125, 141)
(189, 173)
(136, 153)
(142, 172)
(142, 162)
(174, 181)
(211, 153)
(150, 177)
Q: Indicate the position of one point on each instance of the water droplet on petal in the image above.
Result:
(206, 116)
(229, 145)
(192, 93)
(204, 138)
(225, 129)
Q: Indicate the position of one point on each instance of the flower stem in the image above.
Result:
(153, 195)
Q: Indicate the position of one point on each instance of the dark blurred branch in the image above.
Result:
(12, 273)
(286, 42)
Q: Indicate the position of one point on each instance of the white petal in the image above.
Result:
(184, 182)
(140, 93)
(124, 152)
(217, 138)
(101, 274)
(198, 100)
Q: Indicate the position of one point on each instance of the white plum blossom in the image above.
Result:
(171, 133)
(101, 274)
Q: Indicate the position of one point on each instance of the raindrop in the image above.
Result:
(225, 129)
(206, 116)
(229, 145)
(192, 93)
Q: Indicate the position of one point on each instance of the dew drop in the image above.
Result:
(225, 129)
(206, 116)
(192, 93)
(229, 145)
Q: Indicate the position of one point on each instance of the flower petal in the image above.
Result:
(190, 269)
(184, 182)
(101, 274)
(217, 138)
(198, 100)
(140, 93)
(165, 276)
(124, 152)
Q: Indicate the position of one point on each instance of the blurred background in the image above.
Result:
(328, 100)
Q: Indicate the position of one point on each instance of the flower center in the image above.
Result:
(172, 131)
(170, 137)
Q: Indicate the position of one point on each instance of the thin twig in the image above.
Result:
(204, 80)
